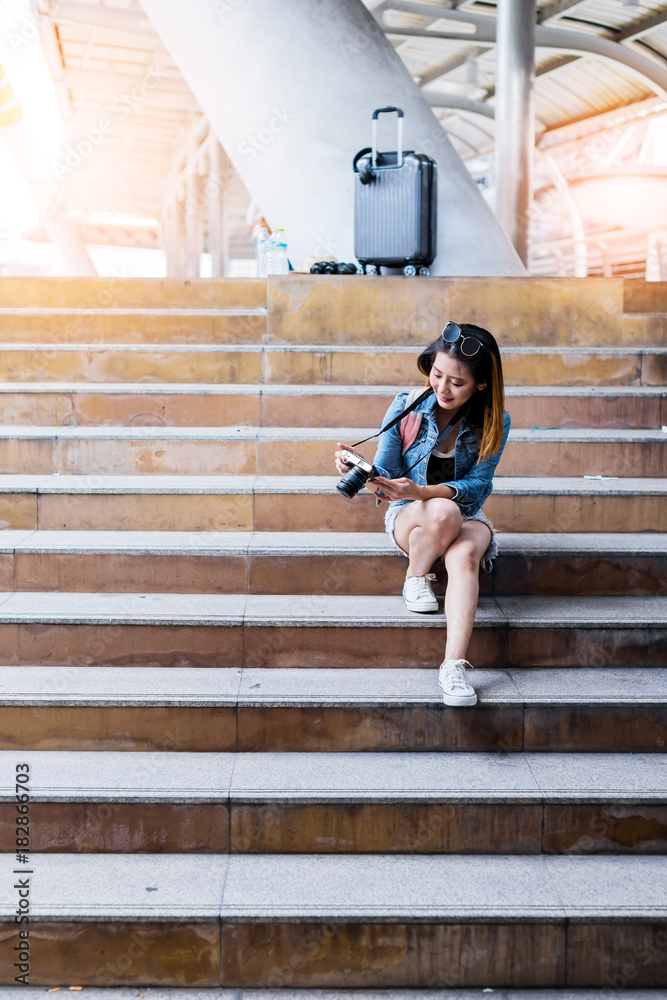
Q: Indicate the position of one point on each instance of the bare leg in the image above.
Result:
(424, 529)
(462, 560)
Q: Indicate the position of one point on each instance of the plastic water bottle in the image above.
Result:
(264, 251)
(278, 262)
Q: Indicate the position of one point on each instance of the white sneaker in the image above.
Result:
(418, 593)
(454, 684)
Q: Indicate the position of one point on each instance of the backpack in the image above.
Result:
(409, 426)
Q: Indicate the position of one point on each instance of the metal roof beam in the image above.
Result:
(490, 91)
(434, 13)
(467, 16)
(557, 38)
(387, 4)
(449, 36)
(449, 65)
(459, 103)
(482, 21)
(555, 64)
(554, 9)
(450, 13)
(654, 74)
(632, 31)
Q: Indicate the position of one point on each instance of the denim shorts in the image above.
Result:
(486, 562)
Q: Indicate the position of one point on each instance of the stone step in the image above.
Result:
(324, 710)
(317, 563)
(54, 325)
(310, 503)
(209, 405)
(548, 311)
(218, 993)
(101, 294)
(644, 296)
(242, 325)
(645, 328)
(335, 309)
(322, 630)
(313, 365)
(246, 325)
(243, 920)
(304, 451)
(339, 803)
(166, 993)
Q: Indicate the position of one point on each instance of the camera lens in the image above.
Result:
(352, 482)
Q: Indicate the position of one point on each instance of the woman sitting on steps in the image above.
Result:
(436, 506)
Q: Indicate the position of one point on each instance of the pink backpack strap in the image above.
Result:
(409, 426)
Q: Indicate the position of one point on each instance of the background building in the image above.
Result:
(125, 112)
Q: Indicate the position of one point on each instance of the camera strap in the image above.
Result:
(392, 423)
(413, 406)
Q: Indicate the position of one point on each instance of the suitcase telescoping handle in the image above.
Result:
(381, 111)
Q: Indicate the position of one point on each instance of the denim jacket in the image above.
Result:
(473, 480)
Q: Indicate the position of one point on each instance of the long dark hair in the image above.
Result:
(486, 412)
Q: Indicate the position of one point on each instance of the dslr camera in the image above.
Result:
(354, 480)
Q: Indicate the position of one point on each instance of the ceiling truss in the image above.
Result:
(97, 53)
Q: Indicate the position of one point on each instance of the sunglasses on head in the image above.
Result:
(469, 345)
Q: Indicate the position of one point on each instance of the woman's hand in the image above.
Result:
(397, 489)
(373, 487)
(338, 458)
(343, 468)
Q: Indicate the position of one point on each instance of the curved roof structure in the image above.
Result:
(449, 49)
(112, 72)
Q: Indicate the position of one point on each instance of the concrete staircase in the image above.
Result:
(241, 772)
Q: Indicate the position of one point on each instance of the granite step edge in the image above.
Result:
(166, 776)
(279, 687)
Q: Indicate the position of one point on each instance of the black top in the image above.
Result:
(439, 470)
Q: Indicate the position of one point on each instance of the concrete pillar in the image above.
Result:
(178, 216)
(193, 221)
(73, 250)
(656, 256)
(218, 235)
(289, 89)
(515, 120)
(170, 236)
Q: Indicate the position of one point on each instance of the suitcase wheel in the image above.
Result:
(370, 269)
(424, 270)
(410, 270)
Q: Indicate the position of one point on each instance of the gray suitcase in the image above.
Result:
(395, 206)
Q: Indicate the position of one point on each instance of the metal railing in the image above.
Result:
(620, 253)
